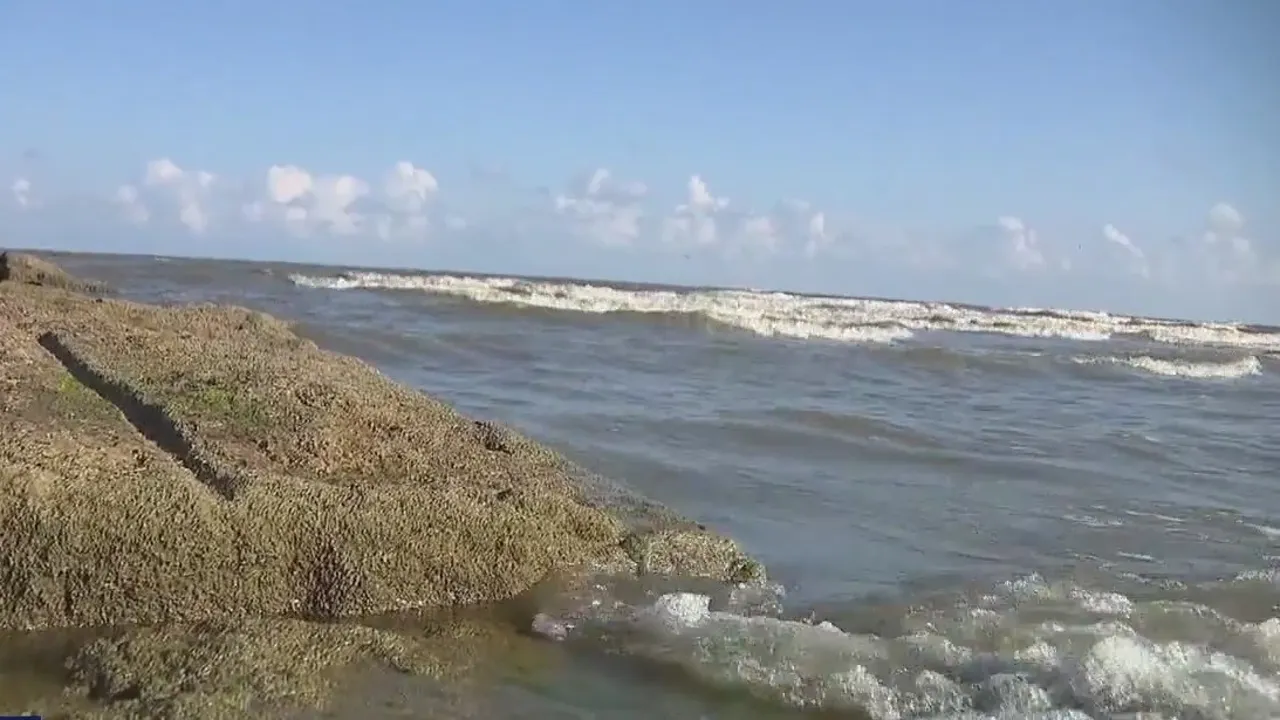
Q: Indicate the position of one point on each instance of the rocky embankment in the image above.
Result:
(220, 490)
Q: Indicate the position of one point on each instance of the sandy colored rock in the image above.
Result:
(162, 465)
(263, 667)
(202, 481)
(31, 270)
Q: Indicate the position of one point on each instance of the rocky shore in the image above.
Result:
(197, 505)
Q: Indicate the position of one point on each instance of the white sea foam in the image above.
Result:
(1155, 516)
(805, 317)
(1030, 648)
(1224, 369)
(1092, 521)
(1140, 557)
(1268, 530)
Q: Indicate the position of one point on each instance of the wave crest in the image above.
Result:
(1205, 370)
(805, 317)
(1026, 648)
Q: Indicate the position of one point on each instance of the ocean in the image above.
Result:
(966, 512)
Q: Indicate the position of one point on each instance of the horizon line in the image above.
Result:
(401, 269)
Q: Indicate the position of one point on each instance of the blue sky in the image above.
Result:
(1087, 153)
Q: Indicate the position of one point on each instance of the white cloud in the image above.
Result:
(603, 210)
(345, 205)
(162, 172)
(761, 233)
(798, 222)
(608, 212)
(296, 216)
(333, 200)
(189, 189)
(700, 197)
(792, 226)
(194, 217)
(598, 207)
(1224, 217)
(694, 221)
(410, 188)
(1220, 252)
(1224, 251)
(1224, 228)
(1023, 249)
(407, 193)
(1113, 235)
(286, 183)
(817, 236)
(254, 211)
(21, 189)
(131, 205)
(304, 203)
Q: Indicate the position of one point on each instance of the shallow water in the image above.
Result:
(1017, 513)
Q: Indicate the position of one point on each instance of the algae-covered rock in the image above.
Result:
(222, 670)
(262, 667)
(31, 270)
(199, 485)
(203, 463)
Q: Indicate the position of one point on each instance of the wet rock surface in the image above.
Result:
(28, 269)
(199, 473)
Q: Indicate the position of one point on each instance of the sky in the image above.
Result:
(1091, 154)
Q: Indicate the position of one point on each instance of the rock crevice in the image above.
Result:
(150, 420)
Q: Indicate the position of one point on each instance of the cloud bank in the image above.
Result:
(406, 206)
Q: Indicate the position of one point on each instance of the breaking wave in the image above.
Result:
(807, 317)
(1027, 648)
(1224, 370)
